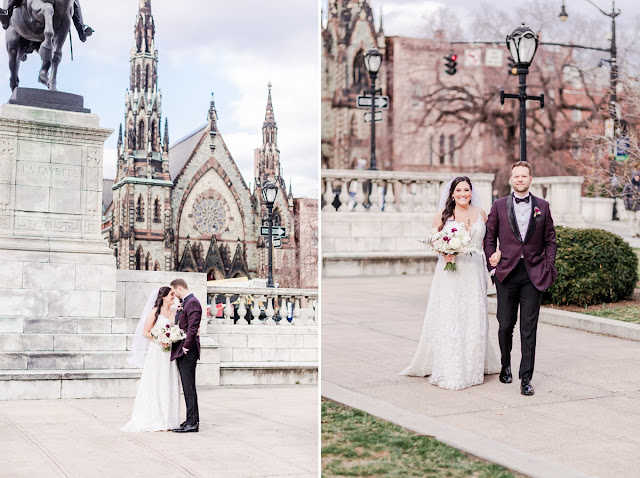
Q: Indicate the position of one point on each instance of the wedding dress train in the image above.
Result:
(157, 404)
(455, 349)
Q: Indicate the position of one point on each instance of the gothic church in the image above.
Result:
(186, 206)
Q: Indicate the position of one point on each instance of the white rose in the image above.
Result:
(455, 243)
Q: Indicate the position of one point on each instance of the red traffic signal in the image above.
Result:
(451, 64)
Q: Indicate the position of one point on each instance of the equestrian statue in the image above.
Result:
(40, 25)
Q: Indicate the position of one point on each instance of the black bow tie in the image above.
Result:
(519, 200)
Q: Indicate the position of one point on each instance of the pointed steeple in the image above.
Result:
(269, 116)
(290, 189)
(166, 135)
(380, 30)
(145, 6)
(120, 142)
(213, 124)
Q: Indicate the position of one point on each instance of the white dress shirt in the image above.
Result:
(522, 211)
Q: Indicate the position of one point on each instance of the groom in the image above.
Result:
(187, 352)
(522, 224)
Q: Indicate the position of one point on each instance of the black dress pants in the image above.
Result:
(517, 290)
(187, 367)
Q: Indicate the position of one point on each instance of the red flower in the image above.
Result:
(454, 230)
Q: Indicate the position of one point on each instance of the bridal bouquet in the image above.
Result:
(167, 335)
(456, 241)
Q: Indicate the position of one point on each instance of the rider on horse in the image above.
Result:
(84, 31)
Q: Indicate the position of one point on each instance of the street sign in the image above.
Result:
(364, 101)
(277, 231)
(367, 116)
(472, 57)
(493, 57)
(277, 242)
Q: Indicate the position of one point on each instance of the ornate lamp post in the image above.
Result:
(522, 45)
(269, 193)
(373, 61)
(613, 52)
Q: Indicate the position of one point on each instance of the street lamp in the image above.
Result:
(373, 61)
(522, 44)
(269, 193)
(613, 52)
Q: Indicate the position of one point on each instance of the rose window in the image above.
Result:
(209, 215)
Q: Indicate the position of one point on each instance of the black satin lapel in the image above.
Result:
(532, 220)
(512, 217)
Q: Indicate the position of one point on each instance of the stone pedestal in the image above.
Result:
(57, 274)
(54, 264)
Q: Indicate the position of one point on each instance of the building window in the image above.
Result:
(431, 150)
(452, 147)
(360, 75)
(156, 211)
(156, 267)
(210, 215)
(441, 153)
(147, 263)
(140, 209)
(141, 136)
(139, 255)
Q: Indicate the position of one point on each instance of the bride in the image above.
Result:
(157, 405)
(455, 349)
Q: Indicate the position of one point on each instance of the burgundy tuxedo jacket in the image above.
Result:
(538, 247)
(188, 319)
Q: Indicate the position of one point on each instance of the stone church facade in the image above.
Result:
(186, 206)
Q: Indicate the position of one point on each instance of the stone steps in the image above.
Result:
(19, 342)
(66, 325)
(54, 384)
(63, 360)
(268, 373)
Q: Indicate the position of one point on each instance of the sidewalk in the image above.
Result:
(583, 419)
(245, 432)
(620, 228)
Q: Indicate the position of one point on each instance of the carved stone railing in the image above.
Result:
(265, 306)
(564, 196)
(392, 191)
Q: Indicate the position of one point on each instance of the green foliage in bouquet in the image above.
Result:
(594, 266)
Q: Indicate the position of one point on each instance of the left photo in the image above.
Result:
(159, 184)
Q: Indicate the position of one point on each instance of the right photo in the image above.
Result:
(480, 238)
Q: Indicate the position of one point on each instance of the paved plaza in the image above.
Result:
(245, 432)
(583, 420)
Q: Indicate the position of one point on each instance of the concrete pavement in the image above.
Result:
(244, 432)
(583, 419)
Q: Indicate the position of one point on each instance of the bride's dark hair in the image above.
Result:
(162, 293)
(450, 204)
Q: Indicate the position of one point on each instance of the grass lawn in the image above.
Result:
(357, 444)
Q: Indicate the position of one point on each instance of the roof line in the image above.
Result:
(191, 134)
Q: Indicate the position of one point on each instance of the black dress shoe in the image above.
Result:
(525, 387)
(183, 424)
(187, 429)
(505, 375)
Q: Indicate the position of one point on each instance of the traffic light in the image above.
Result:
(451, 64)
(512, 66)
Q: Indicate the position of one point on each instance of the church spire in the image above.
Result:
(166, 135)
(267, 158)
(269, 116)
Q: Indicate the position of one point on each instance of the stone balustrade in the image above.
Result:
(265, 305)
(392, 191)
(564, 196)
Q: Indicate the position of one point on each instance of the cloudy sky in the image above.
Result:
(232, 49)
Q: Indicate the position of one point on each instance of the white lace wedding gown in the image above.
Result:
(157, 405)
(455, 349)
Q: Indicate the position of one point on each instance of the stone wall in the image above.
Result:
(134, 287)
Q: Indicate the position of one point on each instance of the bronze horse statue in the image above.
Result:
(43, 26)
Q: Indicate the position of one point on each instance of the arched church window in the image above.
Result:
(147, 78)
(157, 266)
(138, 77)
(276, 218)
(360, 75)
(210, 215)
(141, 136)
(152, 136)
(156, 210)
(139, 255)
(452, 147)
(147, 262)
(140, 209)
(441, 149)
